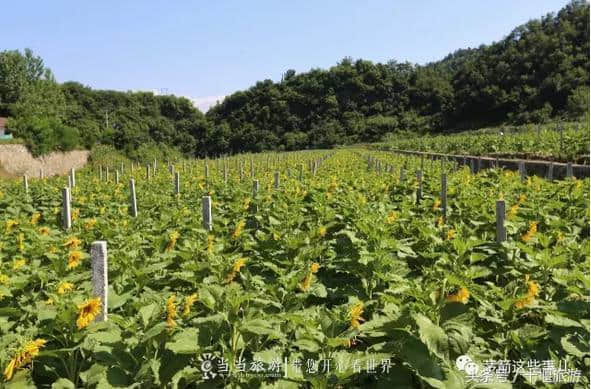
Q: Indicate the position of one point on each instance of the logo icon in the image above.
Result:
(466, 364)
(206, 366)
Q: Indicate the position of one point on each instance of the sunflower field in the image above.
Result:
(343, 276)
(565, 142)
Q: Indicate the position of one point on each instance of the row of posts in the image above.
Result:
(206, 200)
(98, 250)
(501, 231)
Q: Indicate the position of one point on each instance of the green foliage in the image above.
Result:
(160, 151)
(130, 120)
(537, 74)
(29, 93)
(45, 134)
(18, 72)
(566, 142)
(107, 155)
(372, 242)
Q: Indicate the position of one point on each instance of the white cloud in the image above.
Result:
(204, 103)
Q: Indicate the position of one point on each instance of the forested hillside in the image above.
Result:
(539, 72)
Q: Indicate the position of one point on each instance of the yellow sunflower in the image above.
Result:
(74, 259)
(88, 311)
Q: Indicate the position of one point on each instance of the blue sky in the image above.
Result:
(207, 49)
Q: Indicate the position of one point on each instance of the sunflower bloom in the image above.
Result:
(9, 370)
(18, 264)
(451, 234)
(238, 231)
(64, 287)
(10, 224)
(307, 282)
(513, 211)
(189, 301)
(355, 313)
(72, 243)
(88, 311)
(346, 342)
(440, 221)
(533, 228)
(238, 264)
(35, 218)
(461, 296)
(333, 184)
(533, 290)
(44, 231)
(170, 312)
(23, 357)
(436, 204)
(515, 208)
(74, 259)
(89, 224)
(322, 232)
(392, 216)
(4, 280)
(173, 237)
(314, 267)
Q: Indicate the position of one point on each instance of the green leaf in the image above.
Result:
(433, 336)
(147, 312)
(494, 385)
(113, 335)
(309, 345)
(116, 300)
(20, 380)
(412, 351)
(63, 383)
(268, 355)
(184, 342)
(561, 321)
(318, 290)
(46, 313)
(154, 331)
(260, 327)
(94, 374)
(188, 374)
(10, 312)
(575, 347)
(207, 298)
